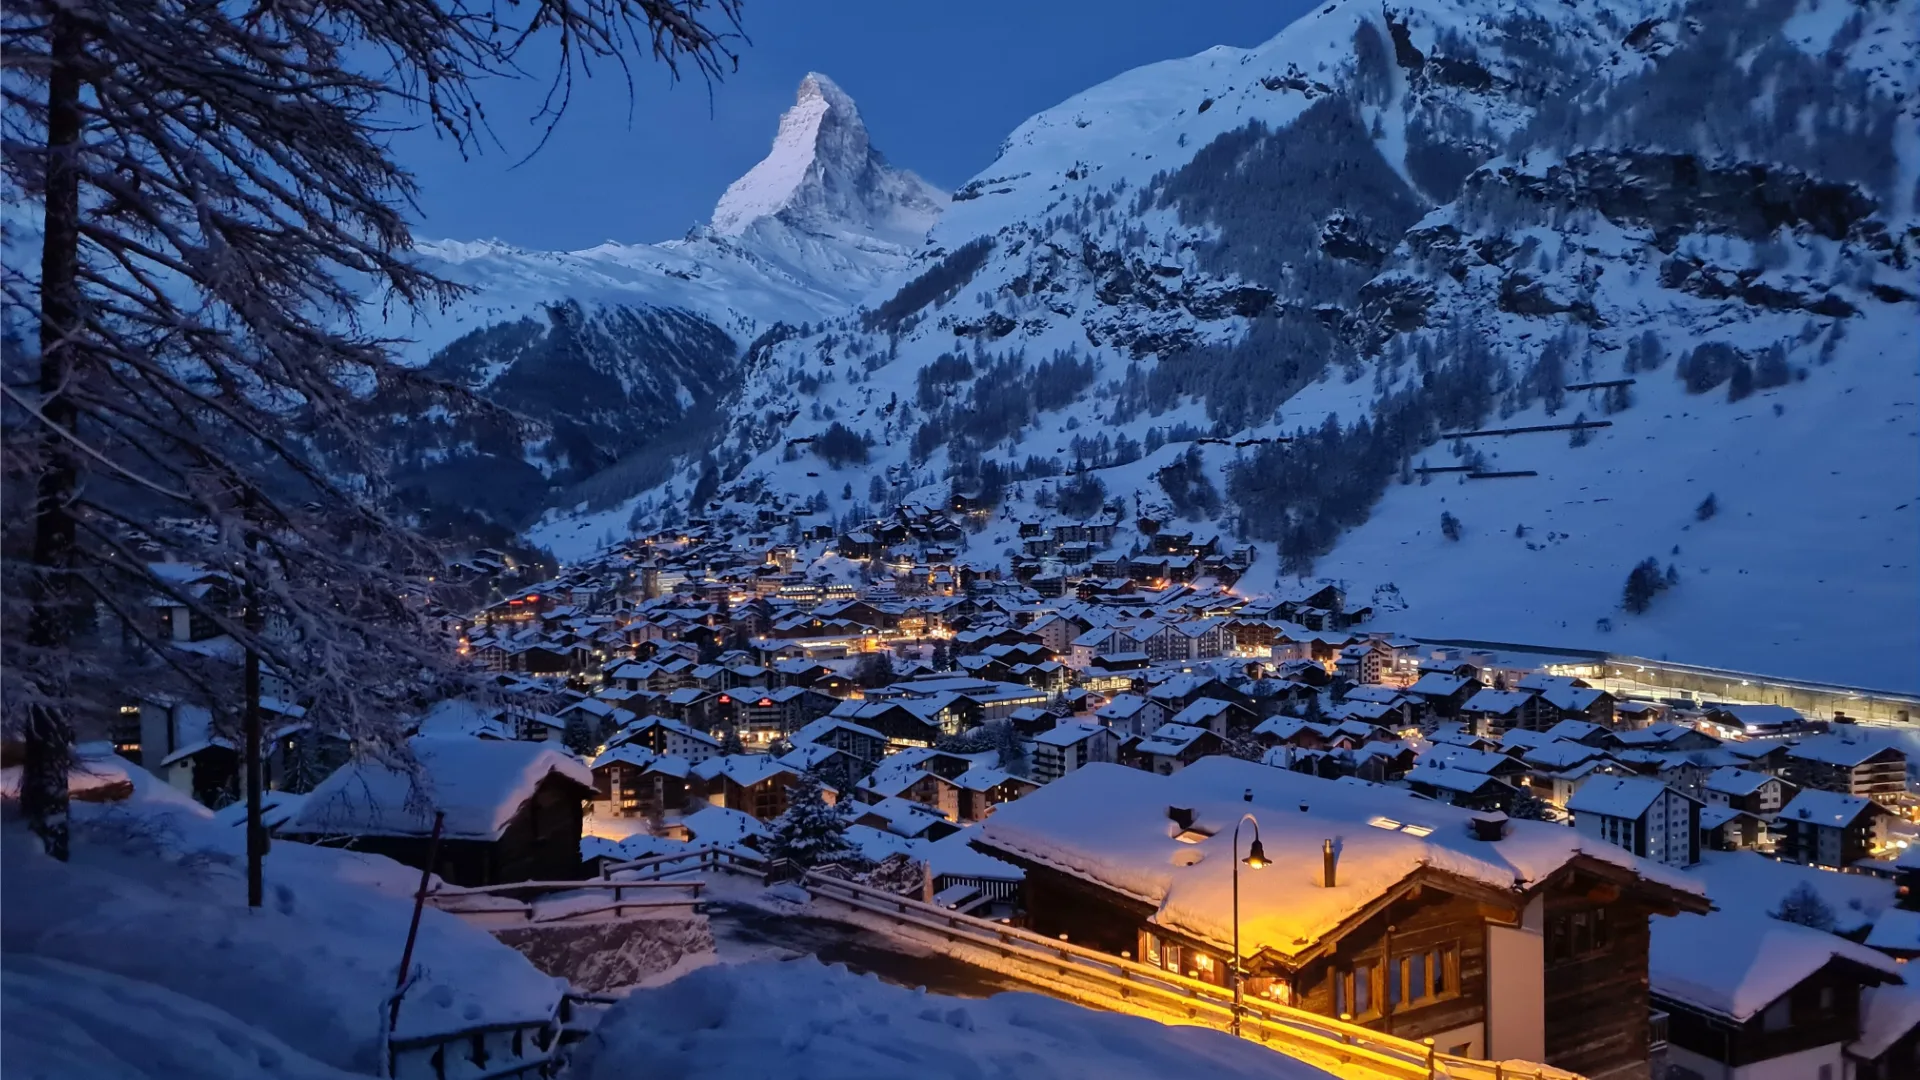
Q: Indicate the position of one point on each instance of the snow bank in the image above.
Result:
(156, 894)
(64, 1020)
(799, 1020)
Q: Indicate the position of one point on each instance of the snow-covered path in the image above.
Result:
(743, 931)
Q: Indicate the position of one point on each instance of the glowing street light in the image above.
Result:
(1256, 859)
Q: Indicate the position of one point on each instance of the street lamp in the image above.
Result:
(1256, 858)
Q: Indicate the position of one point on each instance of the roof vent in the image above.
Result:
(1181, 816)
(1303, 808)
(1489, 825)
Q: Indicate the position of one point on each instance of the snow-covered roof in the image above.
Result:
(723, 826)
(1886, 1014)
(479, 784)
(1560, 754)
(1736, 964)
(1496, 702)
(825, 725)
(1829, 808)
(1616, 796)
(1170, 739)
(1762, 716)
(628, 753)
(1838, 750)
(1437, 684)
(1573, 730)
(1068, 733)
(1897, 929)
(1464, 781)
(743, 769)
(1732, 780)
(1108, 825)
(1751, 882)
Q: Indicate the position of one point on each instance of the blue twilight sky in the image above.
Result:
(938, 84)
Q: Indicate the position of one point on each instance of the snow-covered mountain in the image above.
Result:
(625, 349)
(1258, 286)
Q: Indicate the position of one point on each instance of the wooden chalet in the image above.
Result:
(511, 810)
(1751, 996)
(1491, 938)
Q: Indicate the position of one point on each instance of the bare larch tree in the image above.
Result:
(209, 192)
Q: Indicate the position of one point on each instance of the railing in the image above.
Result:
(1096, 978)
(1656, 1031)
(535, 1048)
(489, 904)
(654, 867)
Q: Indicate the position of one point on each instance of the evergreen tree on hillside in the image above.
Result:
(1643, 581)
(730, 742)
(812, 832)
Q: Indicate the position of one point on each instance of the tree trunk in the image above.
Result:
(256, 830)
(48, 733)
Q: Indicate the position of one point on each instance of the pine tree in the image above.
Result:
(578, 734)
(1805, 906)
(1449, 526)
(1530, 807)
(1643, 581)
(1708, 507)
(812, 832)
(1013, 753)
(730, 742)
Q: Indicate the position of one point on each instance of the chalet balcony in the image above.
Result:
(1656, 1032)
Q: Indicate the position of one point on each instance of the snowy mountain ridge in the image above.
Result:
(619, 348)
(1255, 287)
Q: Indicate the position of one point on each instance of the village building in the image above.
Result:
(1849, 766)
(1749, 997)
(508, 811)
(1069, 746)
(1644, 816)
(1826, 828)
(1492, 938)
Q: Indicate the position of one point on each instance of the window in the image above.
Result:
(1577, 934)
(1353, 991)
(1419, 978)
(1778, 1016)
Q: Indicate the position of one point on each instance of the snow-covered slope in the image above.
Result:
(621, 348)
(1389, 224)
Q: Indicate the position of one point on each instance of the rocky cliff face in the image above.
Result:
(1295, 271)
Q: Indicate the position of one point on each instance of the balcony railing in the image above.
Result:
(1656, 1031)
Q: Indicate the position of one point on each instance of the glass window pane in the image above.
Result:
(1419, 981)
(1439, 970)
(1362, 989)
(1396, 974)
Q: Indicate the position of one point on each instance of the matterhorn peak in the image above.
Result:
(823, 175)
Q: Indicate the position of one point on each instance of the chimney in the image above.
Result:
(1328, 877)
(1181, 816)
(1488, 825)
(1303, 808)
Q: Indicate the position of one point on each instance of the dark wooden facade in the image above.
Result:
(1597, 987)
